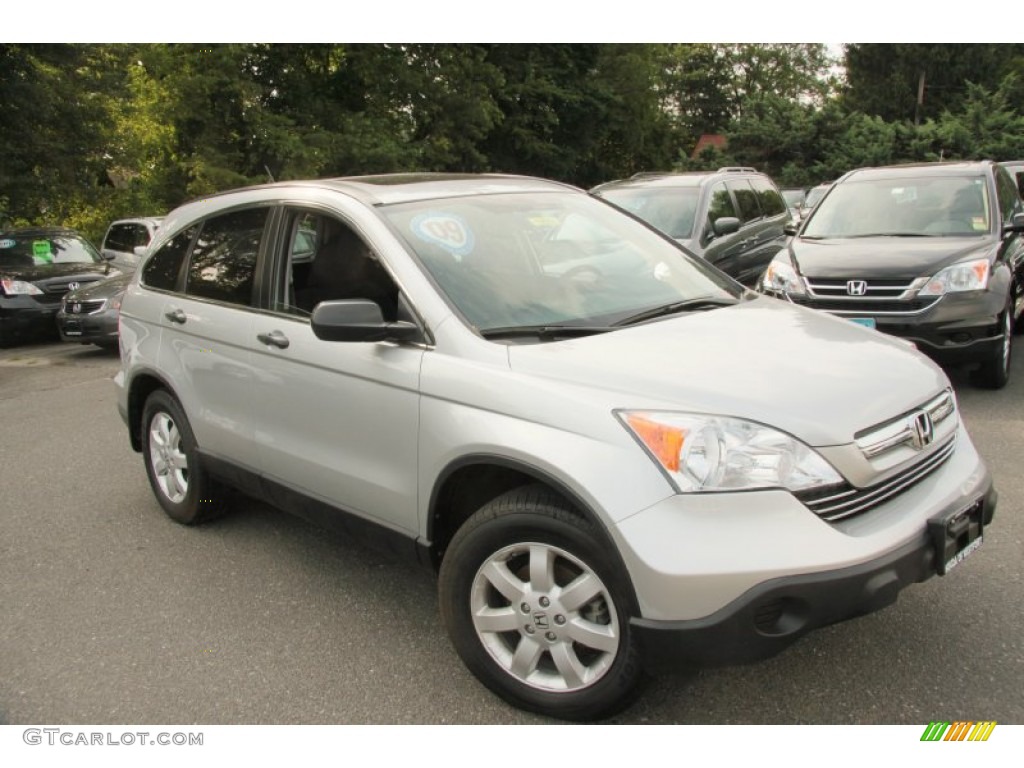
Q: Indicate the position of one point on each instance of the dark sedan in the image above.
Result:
(37, 267)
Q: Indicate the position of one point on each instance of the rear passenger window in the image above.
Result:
(163, 268)
(746, 199)
(771, 201)
(223, 260)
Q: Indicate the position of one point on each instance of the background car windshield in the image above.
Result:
(933, 206)
(43, 250)
(671, 211)
(516, 260)
(793, 197)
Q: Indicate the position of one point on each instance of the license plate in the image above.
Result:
(957, 535)
(867, 322)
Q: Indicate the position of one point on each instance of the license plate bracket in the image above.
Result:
(957, 535)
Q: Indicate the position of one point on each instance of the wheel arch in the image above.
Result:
(143, 384)
(469, 482)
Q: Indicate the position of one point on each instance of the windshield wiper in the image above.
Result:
(544, 332)
(891, 234)
(689, 305)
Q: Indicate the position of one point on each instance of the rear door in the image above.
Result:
(206, 327)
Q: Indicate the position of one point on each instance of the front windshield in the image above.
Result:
(514, 260)
(42, 250)
(924, 206)
(670, 210)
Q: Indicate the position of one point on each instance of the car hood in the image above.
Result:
(815, 376)
(43, 272)
(883, 257)
(102, 289)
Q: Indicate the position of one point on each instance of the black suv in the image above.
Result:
(733, 217)
(930, 252)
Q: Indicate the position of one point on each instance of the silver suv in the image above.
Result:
(613, 470)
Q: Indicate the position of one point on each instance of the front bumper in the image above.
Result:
(772, 616)
(23, 316)
(727, 578)
(958, 328)
(95, 328)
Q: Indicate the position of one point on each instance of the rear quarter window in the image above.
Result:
(163, 267)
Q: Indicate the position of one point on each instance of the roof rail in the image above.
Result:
(737, 169)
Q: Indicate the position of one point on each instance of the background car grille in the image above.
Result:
(889, 297)
(84, 307)
(61, 287)
(865, 307)
(845, 501)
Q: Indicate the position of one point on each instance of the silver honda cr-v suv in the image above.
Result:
(616, 457)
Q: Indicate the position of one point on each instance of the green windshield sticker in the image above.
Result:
(41, 252)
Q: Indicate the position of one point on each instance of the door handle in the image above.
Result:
(274, 339)
(176, 316)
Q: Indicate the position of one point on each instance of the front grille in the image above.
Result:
(845, 501)
(865, 297)
(61, 287)
(84, 307)
(866, 307)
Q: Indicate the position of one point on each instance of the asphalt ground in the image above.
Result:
(110, 613)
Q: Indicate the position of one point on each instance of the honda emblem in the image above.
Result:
(856, 287)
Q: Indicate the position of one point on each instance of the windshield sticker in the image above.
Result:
(7, 243)
(445, 229)
(543, 221)
(978, 224)
(41, 252)
(904, 194)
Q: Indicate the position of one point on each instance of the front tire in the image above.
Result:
(537, 609)
(173, 463)
(994, 372)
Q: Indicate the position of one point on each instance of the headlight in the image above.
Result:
(780, 277)
(966, 276)
(19, 287)
(718, 453)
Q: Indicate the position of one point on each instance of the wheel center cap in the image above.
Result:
(540, 620)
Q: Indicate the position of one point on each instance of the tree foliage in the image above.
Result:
(96, 132)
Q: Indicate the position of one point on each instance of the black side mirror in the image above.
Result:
(1015, 224)
(359, 320)
(725, 225)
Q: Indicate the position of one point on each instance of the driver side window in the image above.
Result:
(326, 261)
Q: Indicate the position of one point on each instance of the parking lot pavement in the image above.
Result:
(114, 614)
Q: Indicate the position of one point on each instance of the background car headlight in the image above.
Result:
(966, 276)
(19, 288)
(718, 453)
(780, 277)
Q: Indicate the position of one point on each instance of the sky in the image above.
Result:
(518, 21)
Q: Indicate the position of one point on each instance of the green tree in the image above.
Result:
(885, 79)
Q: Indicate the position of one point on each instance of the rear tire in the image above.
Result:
(538, 610)
(173, 463)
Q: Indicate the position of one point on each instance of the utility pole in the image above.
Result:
(920, 99)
